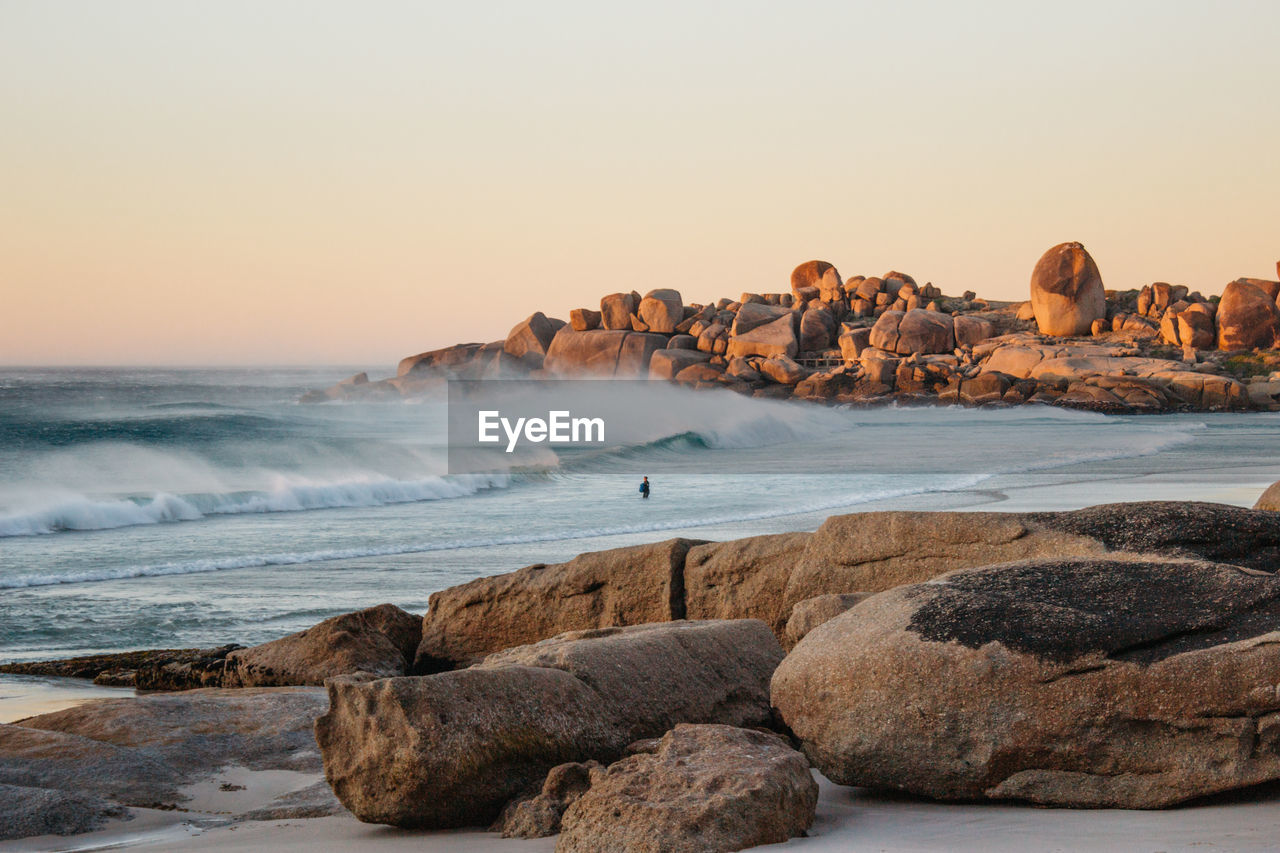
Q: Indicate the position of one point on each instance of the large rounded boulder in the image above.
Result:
(1270, 499)
(1083, 682)
(819, 274)
(1247, 317)
(1066, 291)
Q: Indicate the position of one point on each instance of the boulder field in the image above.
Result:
(864, 340)
(654, 697)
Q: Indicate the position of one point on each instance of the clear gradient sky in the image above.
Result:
(324, 182)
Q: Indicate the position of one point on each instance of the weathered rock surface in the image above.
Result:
(528, 340)
(375, 642)
(972, 330)
(812, 612)
(1247, 318)
(26, 812)
(764, 577)
(923, 331)
(777, 337)
(1066, 291)
(602, 352)
(598, 589)
(616, 310)
(538, 816)
(753, 315)
(1270, 499)
(143, 751)
(583, 320)
(667, 363)
(35, 758)
(742, 578)
(451, 749)
(121, 668)
(705, 788)
(819, 274)
(198, 730)
(316, 800)
(1070, 682)
(662, 310)
(783, 370)
(817, 329)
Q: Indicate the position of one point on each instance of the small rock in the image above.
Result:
(705, 789)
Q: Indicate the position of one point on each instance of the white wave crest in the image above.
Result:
(290, 558)
(288, 495)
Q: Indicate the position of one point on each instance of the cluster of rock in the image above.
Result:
(867, 339)
(674, 696)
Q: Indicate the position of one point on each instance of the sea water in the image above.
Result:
(179, 508)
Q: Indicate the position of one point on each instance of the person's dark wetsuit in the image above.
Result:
(644, 489)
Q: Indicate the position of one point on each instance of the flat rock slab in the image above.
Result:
(201, 730)
(25, 812)
(703, 789)
(1073, 682)
(35, 758)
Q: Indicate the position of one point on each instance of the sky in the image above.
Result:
(347, 183)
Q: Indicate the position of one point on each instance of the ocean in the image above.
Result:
(197, 507)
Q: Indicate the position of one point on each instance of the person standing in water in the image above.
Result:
(644, 489)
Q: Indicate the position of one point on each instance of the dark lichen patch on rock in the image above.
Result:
(1062, 610)
(1203, 531)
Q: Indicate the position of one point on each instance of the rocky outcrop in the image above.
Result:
(1270, 499)
(539, 815)
(1069, 682)
(599, 589)
(850, 335)
(1247, 317)
(120, 669)
(453, 748)
(1066, 291)
(372, 643)
(704, 788)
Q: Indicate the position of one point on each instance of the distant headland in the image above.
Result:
(878, 339)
